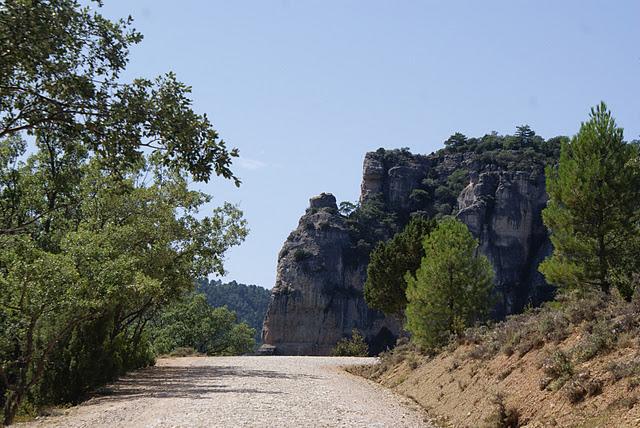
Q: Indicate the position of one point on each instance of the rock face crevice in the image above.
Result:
(318, 295)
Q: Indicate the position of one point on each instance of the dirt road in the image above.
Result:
(244, 392)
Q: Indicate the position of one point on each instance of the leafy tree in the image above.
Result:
(592, 209)
(355, 346)
(249, 302)
(452, 287)
(98, 228)
(390, 261)
(193, 323)
(61, 66)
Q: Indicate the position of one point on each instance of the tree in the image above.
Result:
(525, 134)
(101, 273)
(61, 66)
(193, 323)
(98, 228)
(452, 287)
(351, 347)
(346, 208)
(455, 141)
(249, 302)
(390, 261)
(592, 209)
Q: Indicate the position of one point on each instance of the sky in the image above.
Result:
(305, 88)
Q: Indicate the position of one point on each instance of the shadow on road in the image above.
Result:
(194, 382)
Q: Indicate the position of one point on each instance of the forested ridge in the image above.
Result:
(249, 302)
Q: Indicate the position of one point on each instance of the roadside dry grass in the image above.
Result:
(575, 362)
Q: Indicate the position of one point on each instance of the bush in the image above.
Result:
(184, 352)
(351, 347)
(624, 369)
(558, 369)
(581, 386)
(503, 416)
(300, 255)
(601, 339)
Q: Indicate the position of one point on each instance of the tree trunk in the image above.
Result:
(602, 260)
(11, 406)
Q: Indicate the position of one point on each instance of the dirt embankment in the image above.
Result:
(575, 363)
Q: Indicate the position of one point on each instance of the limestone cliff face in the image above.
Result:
(503, 210)
(318, 298)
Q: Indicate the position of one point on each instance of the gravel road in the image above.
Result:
(244, 392)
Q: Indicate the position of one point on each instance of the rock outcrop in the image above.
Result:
(503, 210)
(318, 298)
(318, 295)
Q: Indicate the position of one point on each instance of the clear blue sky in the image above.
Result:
(305, 88)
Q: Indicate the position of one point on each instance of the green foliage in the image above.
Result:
(249, 302)
(394, 157)
(300, 255)
(524, 151)
(385, 287)
(452, 287)
(592, 210)
(355, 346)
(346, 208)
(98, 228)
(61, 68)
(558, 369)
(192, 323)
(369, 224)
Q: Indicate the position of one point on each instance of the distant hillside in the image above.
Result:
(249, 302)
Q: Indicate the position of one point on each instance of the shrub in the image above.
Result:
(601, 339)
(299, 255)
(581, 386)
(503, 416)
(558, 369)
(184, 352)
(355, 346)
(624, 369)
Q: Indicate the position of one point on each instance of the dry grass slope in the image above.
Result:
(574, 362)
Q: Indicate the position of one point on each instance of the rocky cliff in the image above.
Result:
(317, 298)
(503, 210)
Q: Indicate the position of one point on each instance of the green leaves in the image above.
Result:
(60, 73)
(98, 228)
(452, 287)
(192, 323)
(593, 207)
(385, 286)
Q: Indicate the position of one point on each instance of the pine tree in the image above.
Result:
(593, 200)
(451, 289)
(389, 263)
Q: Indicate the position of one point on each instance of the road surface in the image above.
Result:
(243, 392)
